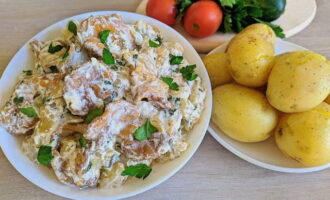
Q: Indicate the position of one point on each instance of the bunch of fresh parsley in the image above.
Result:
(237, 14)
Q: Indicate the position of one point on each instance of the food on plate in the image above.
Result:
(243, 113)
(105, 101)
(202, 18)
(163, 10)
(299, 81)
(251, 58)
(217, 67)
(305, 136)
(259, 29)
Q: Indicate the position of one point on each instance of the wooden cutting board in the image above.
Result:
(297, 16)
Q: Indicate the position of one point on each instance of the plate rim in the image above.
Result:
(248, 158)
(207, 109)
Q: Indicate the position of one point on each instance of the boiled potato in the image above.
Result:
(243, 113)
(299, 81)
(250, 60)
(305, 136)
(258, 29)
(217, 68)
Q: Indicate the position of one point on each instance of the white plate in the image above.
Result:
(297, 16)
(42, 176)
(264, 154)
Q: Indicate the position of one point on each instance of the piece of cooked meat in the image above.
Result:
(87, 87)
(119, 39)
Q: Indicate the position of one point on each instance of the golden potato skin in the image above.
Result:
(251, 60)
(299, 81)
(305, 136)
(243, 113)
(217, 67)
(258, 29)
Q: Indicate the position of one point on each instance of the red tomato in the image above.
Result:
(163, 10)
(202, 18)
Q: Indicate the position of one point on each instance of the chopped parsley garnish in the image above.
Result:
(29, 111)
(156, 43)
(145, 131)
(45, 99)
(104, 36)
(139, 171)
(175, 60)
(28, 72)
(18, 100)
(66, 55)
(135, 56)
(107, 82)
(72, 27)
(54, 49)
(107, 57)
(53, 69)
(89, 166)
(92, 114)
(188, 72)
(45, 155)
(83, 141)
(169, 81)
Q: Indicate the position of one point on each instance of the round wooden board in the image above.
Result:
(297, 16)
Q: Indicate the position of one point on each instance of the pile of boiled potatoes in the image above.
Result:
(257, 94)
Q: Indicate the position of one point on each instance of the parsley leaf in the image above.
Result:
(45, 155)
(28, 72)
(54, 49)
(29, 111)
(182, 5)
(92, 114)
(18, 100)
(53, 69)
(72, 27)
(89, 166)
(170, 83)
(276, 28)
(139, 171)
(229, 3)
(145, 131)
(108, 57)
(188, 72)
(83, 141)
(158, 41)
(175, 60)
(66, 55)
(104, 36)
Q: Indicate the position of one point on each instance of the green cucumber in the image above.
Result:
(272, 9)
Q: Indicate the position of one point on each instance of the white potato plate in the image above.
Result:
(263, 154)
(297, 16)
(42, 176)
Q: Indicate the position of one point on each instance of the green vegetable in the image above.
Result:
(18, 100)
(145, 131)
(54, 49)
(158, 41)
(272, 9)
(45, 155)
(170, 83)
(53, 69)
(29, 111)
(90, 164)
(182, 5)
(175, 60)
(66, 55)
(239, 14)
(108, 57)
(104, 36)
(92, 114)
(72, 27)
(28, 72)
(83, 141)
(139, 171)
(188, 72)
